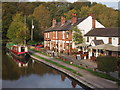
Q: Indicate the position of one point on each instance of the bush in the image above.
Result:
(107, 63)
(31, 42)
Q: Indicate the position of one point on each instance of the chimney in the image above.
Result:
(62, 20)
(74, 18)
(93, 21)
(53, 22)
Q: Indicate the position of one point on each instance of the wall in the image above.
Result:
(86, 25)
(105, 40)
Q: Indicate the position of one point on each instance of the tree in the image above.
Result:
(18, 30)
(107, 63)
(85, 11)
(107, 16)
(69, 14)
(42, 15)
(8, 10)
(77, 35)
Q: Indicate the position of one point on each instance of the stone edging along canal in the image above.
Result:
(71, 74)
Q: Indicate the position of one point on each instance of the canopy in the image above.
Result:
(82, 45)
(106, 47)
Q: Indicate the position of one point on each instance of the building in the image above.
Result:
(59, 36)
(104, 41)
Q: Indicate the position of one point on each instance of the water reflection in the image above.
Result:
(62, 77)
(33, 75)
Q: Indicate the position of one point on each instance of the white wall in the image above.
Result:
(86, 25)
(105, 40)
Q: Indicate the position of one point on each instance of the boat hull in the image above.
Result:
(24, 58)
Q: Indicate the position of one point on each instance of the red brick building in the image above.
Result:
(59, 36)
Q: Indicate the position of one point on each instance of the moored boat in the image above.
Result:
(19, 52)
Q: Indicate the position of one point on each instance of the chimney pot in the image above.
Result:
(62, 20)
(54, 22)
(74, 18)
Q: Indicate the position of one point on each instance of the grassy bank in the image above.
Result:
(99, 74)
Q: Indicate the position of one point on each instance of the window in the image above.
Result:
(110, 40)
(67, 34)
(48, 35)
(87, 39)
(94, 38)
(118, 41)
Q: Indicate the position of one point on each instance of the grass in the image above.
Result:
(99, 74)
(69, 69)
(102, 75)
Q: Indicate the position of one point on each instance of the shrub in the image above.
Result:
(31, 42)
(107, 63)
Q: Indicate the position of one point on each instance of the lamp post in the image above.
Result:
(32, 30)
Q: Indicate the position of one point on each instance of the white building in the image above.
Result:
(104, 40)
(87, 24)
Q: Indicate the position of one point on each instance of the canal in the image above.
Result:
(33, 75)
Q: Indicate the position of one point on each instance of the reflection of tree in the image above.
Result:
(9, 69)
(54, 71)
(41, 69)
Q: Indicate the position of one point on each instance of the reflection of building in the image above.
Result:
(59, 36)
(73, 84)
(103, 41)
(62, 77)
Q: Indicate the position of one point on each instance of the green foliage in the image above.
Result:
(85, 11)
(107, 63)
(18, 30)
(77, 35)
(42, 15)
(31, 42)
(107, 16)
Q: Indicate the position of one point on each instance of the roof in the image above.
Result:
(66, 26)
(106, 47)
(104, 32)
(98, 42)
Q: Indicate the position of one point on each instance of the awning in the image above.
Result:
(82, 45)
(106, 47)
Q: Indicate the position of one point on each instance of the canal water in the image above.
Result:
(33, 75)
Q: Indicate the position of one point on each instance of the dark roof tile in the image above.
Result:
(104, 32)
(66, 26)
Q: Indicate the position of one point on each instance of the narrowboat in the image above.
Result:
(19, 53)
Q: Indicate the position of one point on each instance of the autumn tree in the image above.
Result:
(77, 35)
(107, 16)
(18, 30)
(85, 11)
(42, 15)
(69, 14)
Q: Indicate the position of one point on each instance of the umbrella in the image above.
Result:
(106, 47)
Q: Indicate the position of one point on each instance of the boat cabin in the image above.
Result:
(20, 48)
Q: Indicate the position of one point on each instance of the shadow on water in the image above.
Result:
(12, 72)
